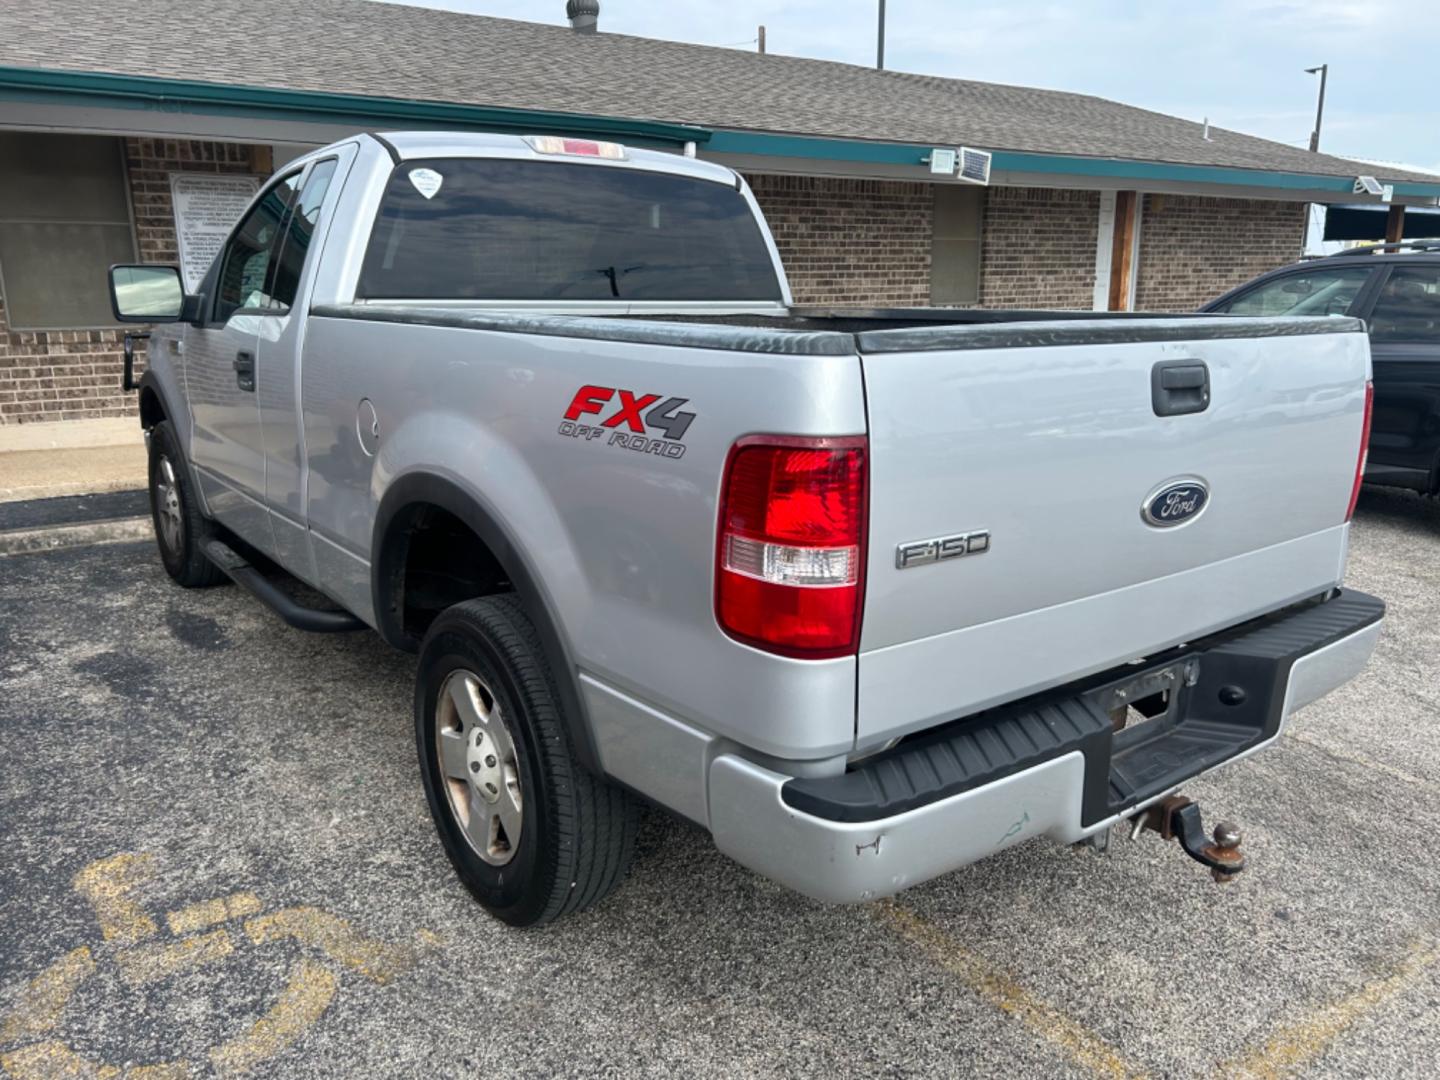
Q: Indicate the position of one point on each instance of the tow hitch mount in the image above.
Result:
(1178, 818)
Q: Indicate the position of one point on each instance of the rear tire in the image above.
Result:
(180, 529)
(530, 832)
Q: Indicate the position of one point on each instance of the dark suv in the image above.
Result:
(1395, 288)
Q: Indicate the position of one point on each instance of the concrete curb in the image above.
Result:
(104, 486)
(117, 531)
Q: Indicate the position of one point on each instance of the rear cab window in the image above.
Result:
(495, 229)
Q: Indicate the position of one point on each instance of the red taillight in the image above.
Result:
(1364, 450)
(791, 553)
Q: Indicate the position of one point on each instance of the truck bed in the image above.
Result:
(1040, 432)
(848, 331)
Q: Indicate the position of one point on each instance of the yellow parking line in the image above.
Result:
(301, 1003)
(45, 998)
(198, 916)
(106, 883)
(995, 987)
(1297, 1044)
(52, 1061)
(145, 964)
(376, 960)
(169, 1070)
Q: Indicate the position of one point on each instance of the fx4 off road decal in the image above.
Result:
(639, 422)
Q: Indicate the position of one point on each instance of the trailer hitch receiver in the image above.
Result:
(1178, 818)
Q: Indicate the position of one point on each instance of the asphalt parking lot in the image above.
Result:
(217, 860)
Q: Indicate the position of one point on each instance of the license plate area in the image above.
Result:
(1144, 705)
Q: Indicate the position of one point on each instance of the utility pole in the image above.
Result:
(762, 39)
(880, 40)
(1323, 70)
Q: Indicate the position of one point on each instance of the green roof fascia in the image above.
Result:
(881, 153)
(103, 89)
(182, 95)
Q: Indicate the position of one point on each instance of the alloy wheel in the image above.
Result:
(481, 774)
(167, 505)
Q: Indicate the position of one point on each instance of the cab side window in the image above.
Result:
(1408, 307)
(1323, 291)
(299, 231)
(246, 269)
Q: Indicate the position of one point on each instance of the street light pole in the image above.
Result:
(1323, 69)
(880, 40)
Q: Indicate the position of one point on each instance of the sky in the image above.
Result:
(1240, 64)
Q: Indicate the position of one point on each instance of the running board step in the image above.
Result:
(315, 620)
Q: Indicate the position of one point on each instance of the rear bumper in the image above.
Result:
(1050, 766)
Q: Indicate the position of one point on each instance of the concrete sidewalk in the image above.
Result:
(72, 457)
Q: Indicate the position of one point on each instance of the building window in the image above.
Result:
(955, 245)
(64, 220)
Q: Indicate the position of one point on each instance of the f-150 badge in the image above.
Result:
(941, 548)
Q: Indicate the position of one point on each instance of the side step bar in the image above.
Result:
(263, 589)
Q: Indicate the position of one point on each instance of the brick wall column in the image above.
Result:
(1037, 248)
(1193, 248)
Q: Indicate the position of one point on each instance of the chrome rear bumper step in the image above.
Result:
(1227, 696)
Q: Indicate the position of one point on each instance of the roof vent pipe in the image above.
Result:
(583, 15)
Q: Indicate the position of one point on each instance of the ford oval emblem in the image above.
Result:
(1175, 503)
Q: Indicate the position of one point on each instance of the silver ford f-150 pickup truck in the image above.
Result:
(868, 595)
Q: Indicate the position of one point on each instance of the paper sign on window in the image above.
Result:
(207, 206)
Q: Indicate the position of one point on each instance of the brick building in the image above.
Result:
(1090, 204)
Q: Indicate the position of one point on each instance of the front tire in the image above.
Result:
(530, 832)
(180, 530)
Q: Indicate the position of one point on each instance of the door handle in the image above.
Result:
(1178, 387)
(245, 371)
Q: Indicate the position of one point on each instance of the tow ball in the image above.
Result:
(1178, 818)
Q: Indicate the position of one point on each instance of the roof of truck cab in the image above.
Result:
(356, 57)
(420, 145)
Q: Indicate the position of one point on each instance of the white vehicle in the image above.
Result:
(868, 595)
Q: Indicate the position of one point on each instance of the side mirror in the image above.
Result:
(146, 294)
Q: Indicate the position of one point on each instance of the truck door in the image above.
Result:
(221, 375)
(278, 361)
(1405, 352)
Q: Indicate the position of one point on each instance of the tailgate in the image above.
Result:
(1034, 450)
